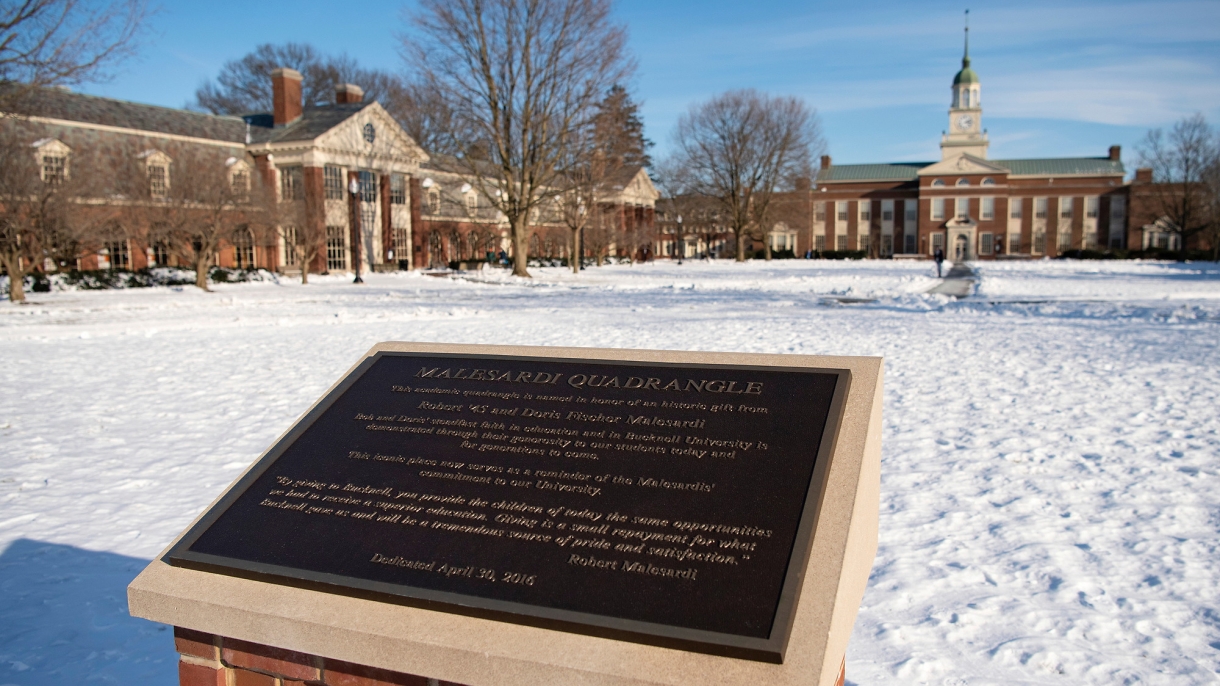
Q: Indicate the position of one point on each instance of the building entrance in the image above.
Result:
(961, 248)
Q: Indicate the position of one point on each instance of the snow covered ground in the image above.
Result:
(1050, 491)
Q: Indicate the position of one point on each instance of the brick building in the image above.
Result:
(971, 206)
(365, 190)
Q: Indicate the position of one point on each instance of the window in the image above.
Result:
(865, 210)
(1065, 240)
(472, 203)
(243, 248)
(290, 235)
(336, 248)
(819, 211)
(911, 211)
(1039, 243)
(841, 210)
(963, 182)
(1039, 208)
(963, 208)
(1014, 208)
(1066, 205)
(938, 242)
(332, 182)
(54, 169)
(840, 243)
(938, 208)
(160, 254)
(988, 181)
(158, 181)
(909, 248)
(398, 189)
(368, 186)
(985, 243)
(819, 243)
(887, 210)
(1014, 244)
(240, 183)
(120, 258)
(292, 184)
(938, 182)
(987, 209)
(1091, 205)
(434, 201)
(1118, 209)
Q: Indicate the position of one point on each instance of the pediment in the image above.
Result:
(389, 139)
(962, 165)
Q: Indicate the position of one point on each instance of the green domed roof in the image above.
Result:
(966, 75)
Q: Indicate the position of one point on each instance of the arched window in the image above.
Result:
(938, 182)
(243, 248)
(988, 181)
(963, 182)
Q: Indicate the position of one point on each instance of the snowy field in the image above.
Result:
(1050, 493)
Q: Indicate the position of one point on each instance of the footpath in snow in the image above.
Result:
(1050, 479)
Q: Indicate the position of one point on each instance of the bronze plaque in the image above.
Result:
(669, 504)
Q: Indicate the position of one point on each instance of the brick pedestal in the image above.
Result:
(209, 660)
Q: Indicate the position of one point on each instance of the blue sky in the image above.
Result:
(1060, 78)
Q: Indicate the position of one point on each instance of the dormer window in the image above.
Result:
(472, 203)
(988, 181)
(963, 182)
(239, 177)
(434, 201)
(156, 165)
(52, 156)
(158, 181)
(938, 182)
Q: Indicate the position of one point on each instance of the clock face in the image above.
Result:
(965, 121)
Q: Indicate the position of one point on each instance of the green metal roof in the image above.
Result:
(908, 171)
(896, 171)
(1062, 166)
(966, 75)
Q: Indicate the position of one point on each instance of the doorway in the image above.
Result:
(961, 248)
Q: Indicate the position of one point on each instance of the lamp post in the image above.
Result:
(681, 240)
(354, 187)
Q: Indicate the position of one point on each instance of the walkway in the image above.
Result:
(959, 282)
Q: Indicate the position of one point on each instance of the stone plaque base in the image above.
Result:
(235, 630)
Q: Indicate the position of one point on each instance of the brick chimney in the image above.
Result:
(1143, 175)
(1116, 152)
(825, 161)
(286, 95)
(348, 93)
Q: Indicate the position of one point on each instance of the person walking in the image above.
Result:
(939, 256)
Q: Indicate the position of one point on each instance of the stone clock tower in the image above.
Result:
(966, 133)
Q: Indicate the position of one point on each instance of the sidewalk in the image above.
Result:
(959, 282)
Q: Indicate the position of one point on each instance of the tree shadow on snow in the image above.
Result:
(63, 620)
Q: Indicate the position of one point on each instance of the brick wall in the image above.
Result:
(209, 660)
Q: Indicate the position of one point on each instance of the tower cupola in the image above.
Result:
(965, 134)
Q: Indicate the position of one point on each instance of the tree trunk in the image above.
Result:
(201, 273)
(16, 279)
(766, 248)
(741, 247)
(520, 247)
(575, 259)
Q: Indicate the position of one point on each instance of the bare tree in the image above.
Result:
(63, 42)
(1180, 161)
(200, 210)
(741, 148)
(1211, 182)
(27, 203)
(522, 78)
